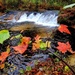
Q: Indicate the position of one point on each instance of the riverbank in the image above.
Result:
(32, 5)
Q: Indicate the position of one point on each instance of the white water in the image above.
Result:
(48, 18)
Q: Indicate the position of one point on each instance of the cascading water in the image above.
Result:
(47, 18)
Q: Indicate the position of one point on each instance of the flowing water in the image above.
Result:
(47, 18)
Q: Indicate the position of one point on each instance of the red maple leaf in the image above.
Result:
(63, 28)
(3, 56)
(21, 48)
(63, 47)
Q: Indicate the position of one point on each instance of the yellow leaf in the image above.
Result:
(48, 44)
(8, 49)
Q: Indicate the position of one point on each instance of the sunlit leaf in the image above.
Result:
(4, 34)
(63, 28)
(28, 68)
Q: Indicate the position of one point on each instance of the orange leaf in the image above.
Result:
(63, 28)
(2, 66)
(23, 46)
(20, 48)
(3, 56)
(63, 47)
(25, 40)
(37, 38)
(35, 46)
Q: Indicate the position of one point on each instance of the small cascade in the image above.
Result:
(48, 18)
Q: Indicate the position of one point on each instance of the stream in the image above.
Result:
(42, 23)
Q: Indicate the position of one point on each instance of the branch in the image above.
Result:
(50, 50)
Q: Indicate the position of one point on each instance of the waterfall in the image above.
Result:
(47, 18)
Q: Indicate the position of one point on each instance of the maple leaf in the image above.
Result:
(37, 38)
(2, 66)
(35, 46)
(63, 28)
(63, 47)
(22, 47)
(26, 40)
(3, 56)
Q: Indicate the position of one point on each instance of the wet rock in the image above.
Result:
(10, 17)
(17, 17)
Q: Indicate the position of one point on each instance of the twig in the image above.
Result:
(61, 60)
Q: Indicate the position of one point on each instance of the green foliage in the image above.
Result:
(12, 2)
(4, 34)
(66, 68)
(28, 68)
(18, 36)
(21, 71)
(43, 45)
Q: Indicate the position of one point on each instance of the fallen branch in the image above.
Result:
(51, 51)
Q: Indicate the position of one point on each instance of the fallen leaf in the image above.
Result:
(3, 56)
(63, 28)
(4, 34)
(48, 44)
(26, 40)
(22, 47)
(2, 66)
(63, 47)
(35, 46)
(37, 38)
(8, 49)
